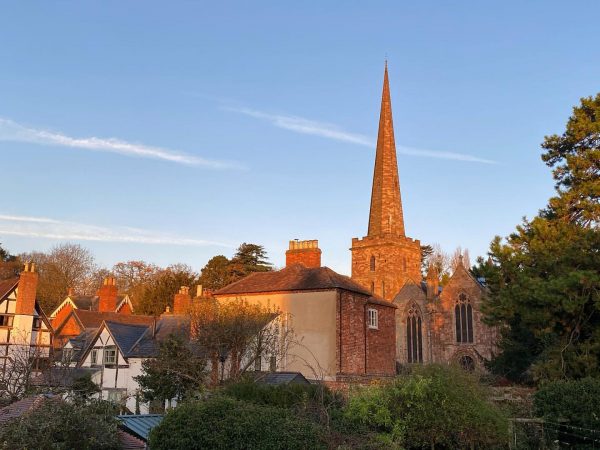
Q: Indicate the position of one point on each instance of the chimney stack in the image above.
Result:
(199, 291)
(107, 294)
(306, 253)
(71, 292)
(26, 290)
(182, 301)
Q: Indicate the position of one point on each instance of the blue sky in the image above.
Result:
(173, 131)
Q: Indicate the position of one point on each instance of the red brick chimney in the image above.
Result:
(182, 301)
(306, 253)
(108, 295)
(26, 290)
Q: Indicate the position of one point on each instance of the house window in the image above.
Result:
(37, 323)
(94, 356)
(258, 363)
(372, 318)
(115, 396)
(67, 355)
(463, 318)
(6, 320)
(110, 355)
(414, 335)
(372, 264)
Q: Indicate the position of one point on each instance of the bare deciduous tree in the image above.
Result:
(240, 333)
(65, 266)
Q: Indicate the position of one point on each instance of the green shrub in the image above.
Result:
(434, 406)
(57, 425)
(225, 423)
(571, 409)
(283, 396)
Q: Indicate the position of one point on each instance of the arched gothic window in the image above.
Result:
(372, 264)
(467, 363)
(414, 335)
(463, 317)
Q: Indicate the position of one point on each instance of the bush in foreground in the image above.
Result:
(225, 423)
(571, 409)
(57, 425)
(435, 406)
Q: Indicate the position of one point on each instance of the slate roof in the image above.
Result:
(167, 324)
(140, 425)
(7, 286)
(90, 302)
(281, 378)
(292, 278)
(18, 409)
(125, 334)
(62, 376)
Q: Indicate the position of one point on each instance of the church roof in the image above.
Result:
(292, 278)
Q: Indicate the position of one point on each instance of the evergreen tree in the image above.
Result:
(544, 281)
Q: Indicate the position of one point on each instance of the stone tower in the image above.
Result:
(385, 259)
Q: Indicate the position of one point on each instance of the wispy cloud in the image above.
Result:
(43, 227)
(15, 132)
(331, 131)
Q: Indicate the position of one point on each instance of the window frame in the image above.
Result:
(373, 318)
(414, 335)
(106, 350)
(9, 318)
(94, 356)
(464, 328)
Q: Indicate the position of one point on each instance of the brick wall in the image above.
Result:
(363, 351)
(381, 342)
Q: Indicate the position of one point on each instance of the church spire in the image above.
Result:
(386, 204)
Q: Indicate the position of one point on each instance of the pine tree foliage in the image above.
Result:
(544, 280)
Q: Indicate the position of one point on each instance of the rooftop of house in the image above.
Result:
(282, 378)
(93, 319)
(7, 286)
(21, 407)
(140, 425)
(295, 277)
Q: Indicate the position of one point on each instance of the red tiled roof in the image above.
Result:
(93, 319)
(8, 285)
(293, 278)
(130, 442)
